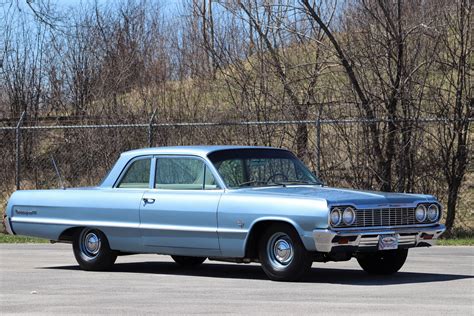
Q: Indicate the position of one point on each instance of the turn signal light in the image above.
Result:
(343, 241)
(427, 236)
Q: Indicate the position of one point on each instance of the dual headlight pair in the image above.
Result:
(347, 216)
(430, 213)
(339, 215)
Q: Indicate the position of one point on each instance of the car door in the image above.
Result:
(179, 215)
(117, 208)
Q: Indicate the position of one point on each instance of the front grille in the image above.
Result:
(385, 217)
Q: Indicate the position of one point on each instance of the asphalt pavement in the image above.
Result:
(45, 279)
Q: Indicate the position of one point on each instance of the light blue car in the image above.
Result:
(231, 203)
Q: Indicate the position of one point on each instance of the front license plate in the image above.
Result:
(388, 242)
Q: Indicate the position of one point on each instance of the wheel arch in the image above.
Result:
(67, 235)
(258, 227)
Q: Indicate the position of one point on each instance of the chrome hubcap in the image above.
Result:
(280, 250)
(90, 244)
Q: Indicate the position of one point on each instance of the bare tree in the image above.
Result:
(385, 63)
(451, 91)
(384, 59)
(275, 37)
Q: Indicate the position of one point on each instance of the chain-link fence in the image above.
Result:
(337, 150)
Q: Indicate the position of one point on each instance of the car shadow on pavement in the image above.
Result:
(254, 272)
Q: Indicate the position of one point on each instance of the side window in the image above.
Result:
(137, 176)
(183, 174)
(210, 182)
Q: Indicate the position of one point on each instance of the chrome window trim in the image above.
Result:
(207, 164)
(151, 182)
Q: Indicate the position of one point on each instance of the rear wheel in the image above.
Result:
(282, 254)
(92, 251)
(186, 261)
(383, 262)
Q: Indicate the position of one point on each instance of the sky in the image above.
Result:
(168, 5)
(9, 6)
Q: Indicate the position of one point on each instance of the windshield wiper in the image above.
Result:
(247, 183)
(297, 182)
(264, 183)
(279, 183)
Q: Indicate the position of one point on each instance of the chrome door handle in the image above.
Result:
(148, 201)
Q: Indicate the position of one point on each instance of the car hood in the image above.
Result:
(338, 196)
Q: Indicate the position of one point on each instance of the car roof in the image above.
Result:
(202, 150)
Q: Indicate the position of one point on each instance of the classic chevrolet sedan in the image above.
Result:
(230, 203)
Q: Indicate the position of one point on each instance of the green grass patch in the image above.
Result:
(9, 239)
(456, 242)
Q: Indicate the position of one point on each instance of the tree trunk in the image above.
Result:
(453, 192)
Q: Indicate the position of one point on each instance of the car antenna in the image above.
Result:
(58, 173)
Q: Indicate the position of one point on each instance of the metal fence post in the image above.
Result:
(17, 148)
(318, 146)
(150, 128)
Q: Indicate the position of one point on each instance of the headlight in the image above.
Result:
(433, 212)
(420, 213)
(348, 216)
(335, 216)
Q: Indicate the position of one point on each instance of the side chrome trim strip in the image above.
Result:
(49, 221)
(178, 228)
(232, 231)
(55, 221)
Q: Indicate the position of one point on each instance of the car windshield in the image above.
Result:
(241, 168)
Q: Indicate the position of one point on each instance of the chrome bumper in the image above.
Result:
(7, 224)
(327, 240)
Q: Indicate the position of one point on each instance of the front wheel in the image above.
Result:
(92, 251)
(282, 254)
(383, 262)
(186, 261)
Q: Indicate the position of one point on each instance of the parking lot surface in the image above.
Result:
(45, 279)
